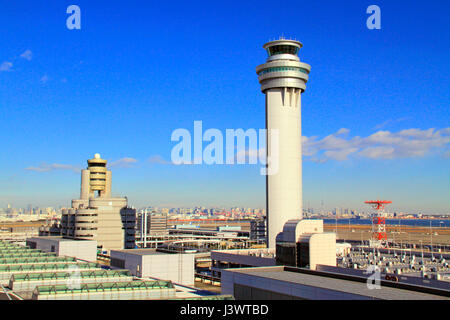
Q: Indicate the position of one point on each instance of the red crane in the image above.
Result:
(378, 222)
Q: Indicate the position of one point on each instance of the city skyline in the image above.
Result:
(372, 128)
(330, 211)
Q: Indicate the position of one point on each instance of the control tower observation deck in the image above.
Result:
(96, 179)
(283, 78)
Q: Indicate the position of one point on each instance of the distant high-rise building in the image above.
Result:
(151, 224)
(337, 211)
(97, 215)
(258, 230)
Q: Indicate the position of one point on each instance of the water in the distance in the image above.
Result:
(440, 223)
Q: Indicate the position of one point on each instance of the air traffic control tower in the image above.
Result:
(283, 78)
(97, 215)
(96, 178)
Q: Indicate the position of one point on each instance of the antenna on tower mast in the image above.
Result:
(379, 237)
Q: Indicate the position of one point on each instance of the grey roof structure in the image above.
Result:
(281, 275)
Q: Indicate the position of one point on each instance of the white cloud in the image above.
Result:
(378, 152)
(28, 55)
(340, 154)
(6, 66)
(250, 155)
(158, 160)
(342, 131)
(55, 166)
(391, 122)
(407, 143)
(195, 161)
(44, 79)
(123, 163)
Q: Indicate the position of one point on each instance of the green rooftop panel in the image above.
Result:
(35, 260)
(64, 275)
(53, 266)
(16, 250)
(26, 254)
(101, 287)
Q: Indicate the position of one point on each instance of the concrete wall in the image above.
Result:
(132, 262)
(178, 268)
(84, 250)
(80, 249)
(322, 250)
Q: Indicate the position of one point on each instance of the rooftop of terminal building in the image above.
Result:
(59, 238)
(259, 252)
(145, 252)
(333, 282)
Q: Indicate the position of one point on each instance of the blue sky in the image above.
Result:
(375, 115)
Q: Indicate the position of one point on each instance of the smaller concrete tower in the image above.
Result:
(97, 215)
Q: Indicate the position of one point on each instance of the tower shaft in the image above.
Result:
(283, 78)
(284, 188)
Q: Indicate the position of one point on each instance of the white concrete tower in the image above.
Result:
(283, 78)
(96, 178)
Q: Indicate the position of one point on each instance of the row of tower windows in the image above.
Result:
(277, 69)
(97, 164)
(282, 49)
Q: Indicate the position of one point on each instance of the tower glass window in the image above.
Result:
(282, 49)
(278, 69)
(97, 164)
